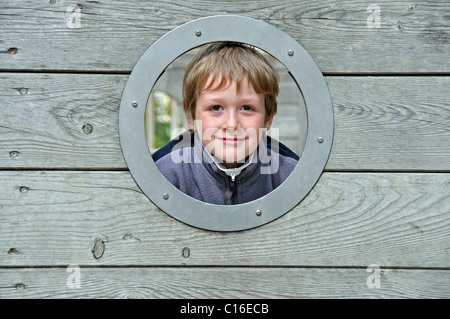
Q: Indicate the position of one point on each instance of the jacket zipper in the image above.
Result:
(232, 186)
(233, 178)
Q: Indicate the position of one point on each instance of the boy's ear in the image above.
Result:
(269, 122)
(188, 116)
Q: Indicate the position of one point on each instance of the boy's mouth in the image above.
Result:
(231, 139)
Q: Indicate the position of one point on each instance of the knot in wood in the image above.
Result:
(186, 252)
(99, 247)
(87, 128)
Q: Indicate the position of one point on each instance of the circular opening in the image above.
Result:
(165, 119)
(318, 115)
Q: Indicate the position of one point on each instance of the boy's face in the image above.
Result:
(230, 123)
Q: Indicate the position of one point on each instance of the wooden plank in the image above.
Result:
(102, 218)
(62, 120)
(384, 123)
(381, 123)
(37, 36)
(200, 283)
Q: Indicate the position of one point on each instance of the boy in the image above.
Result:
(229, 101)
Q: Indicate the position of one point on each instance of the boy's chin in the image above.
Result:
(234, 164)
(231, 160)
(231, 156)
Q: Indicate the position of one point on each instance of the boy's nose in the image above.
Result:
(232, 121)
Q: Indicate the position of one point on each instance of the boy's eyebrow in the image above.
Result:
(241, 97)
(244, 100)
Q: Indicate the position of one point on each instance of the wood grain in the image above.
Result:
(234, 283)
(45, 125)
(392, 123)
(102, 218)
(412, 38)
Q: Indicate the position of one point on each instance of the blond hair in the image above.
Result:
(226, 61)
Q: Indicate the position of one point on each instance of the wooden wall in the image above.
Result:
(67, 197)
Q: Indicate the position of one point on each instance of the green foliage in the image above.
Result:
(163, 112)
(162, 136)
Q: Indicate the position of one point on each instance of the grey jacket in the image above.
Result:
(190, 168)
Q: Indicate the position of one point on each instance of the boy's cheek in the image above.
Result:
(207, 134)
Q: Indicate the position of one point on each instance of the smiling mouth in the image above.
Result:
(231, 140)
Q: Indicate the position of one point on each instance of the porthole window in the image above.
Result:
(151, 110)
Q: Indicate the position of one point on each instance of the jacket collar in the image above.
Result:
(212, 162)
(233, 172)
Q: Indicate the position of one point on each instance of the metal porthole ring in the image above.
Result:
(304, 71)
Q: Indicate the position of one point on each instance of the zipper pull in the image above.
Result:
(232, 186)
(233, 177)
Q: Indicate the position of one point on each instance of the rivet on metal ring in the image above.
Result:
(258, 212)
(166, 196)
(320, 139)
(135, 104)
(198, 33)
(290, 53)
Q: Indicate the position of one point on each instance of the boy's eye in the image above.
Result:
(215, 108)
(246, 108)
